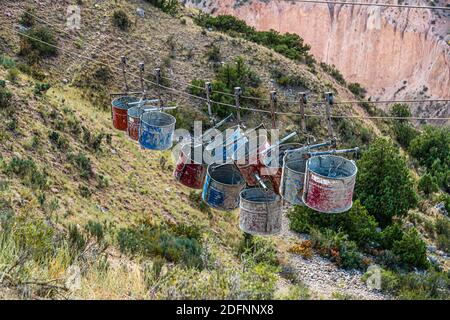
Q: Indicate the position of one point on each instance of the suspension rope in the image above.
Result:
(243, 96)
(217, 102)
(369, 4)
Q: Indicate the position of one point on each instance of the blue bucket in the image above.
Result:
(156, 130)
(222, 187)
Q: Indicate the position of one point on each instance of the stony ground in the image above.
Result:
(324, 278)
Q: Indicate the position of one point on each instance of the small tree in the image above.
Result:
(411, 249)
(427, 184)
(121, 20)
(403, 130)
(384, 184)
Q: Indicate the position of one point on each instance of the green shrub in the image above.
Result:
(83, 164)
(95, 229)
(5, 98)
(7, 62)
(428, 184)
(213, 54)
(442, 227)
(27, 18)
(357, 223)
(167, 6)
(337, 247)
(28, 171)
(40, 42)
(391, 234)
(149, 240)
(13, 75)
(290, 45)
(58, 140)
(357, 89)
(39, 88)
(334, 72)
(432, 149)
(403, 130)
(120, 20)
(383, 183)
(77, 241)
(34, 236)
(411, 249)
(415, 286)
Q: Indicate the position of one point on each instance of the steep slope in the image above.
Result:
(394, 53)
(79, 193)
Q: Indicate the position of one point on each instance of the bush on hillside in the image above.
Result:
(120, 20)
(167, 6)
(290, 45)
(357, 223)
(27, 18)
(5, 97)
(383, 183)
(357, 89)
(403, 130)
(411, 250)
(432, 149)
(428, 184)
(28, 171)
(39, 42)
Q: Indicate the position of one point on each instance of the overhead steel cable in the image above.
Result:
(216, 102)
(375, 4)
(243, 97)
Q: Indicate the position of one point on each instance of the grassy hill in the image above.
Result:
(86, 213)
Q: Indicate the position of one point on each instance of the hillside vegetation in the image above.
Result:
(86, 213)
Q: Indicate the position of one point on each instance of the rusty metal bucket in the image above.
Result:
(222, 187)
(156, 130)
(187, 171)
(273, 164)
(329, 184)
(119, 111)
(134, 122)
(293, 176)
(260, 211)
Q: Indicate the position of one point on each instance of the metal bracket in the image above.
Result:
(303, 102)
(273, 107)
(237, 96)
(330, 101)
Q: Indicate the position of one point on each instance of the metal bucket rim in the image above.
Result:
(277, 197)
(132, 99)
(286, 164)
(332, 178)
(242, 182)
(138, 111)
(172, 118)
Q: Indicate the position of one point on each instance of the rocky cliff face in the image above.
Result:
(394, 53)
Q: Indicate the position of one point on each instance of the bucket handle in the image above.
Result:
(332, 152)
(261, 182)
(292, 134)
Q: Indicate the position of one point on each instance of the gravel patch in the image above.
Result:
(323, 277)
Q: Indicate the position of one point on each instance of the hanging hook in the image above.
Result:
(330, 101)
(158, 84)
(208, 89)
(123, 60)
(273, 107)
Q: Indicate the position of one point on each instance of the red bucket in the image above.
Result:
(119, 110)
(273, 169)
(187, 171)
(248, 159)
